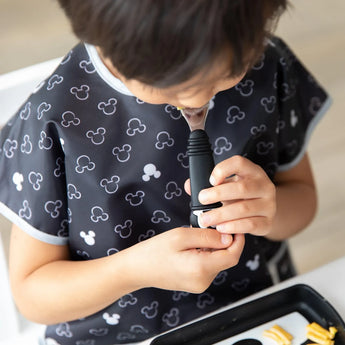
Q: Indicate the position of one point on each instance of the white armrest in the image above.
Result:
(9, 323)
(16, 86)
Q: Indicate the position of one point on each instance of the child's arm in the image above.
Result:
(296, 199)
(253, 204)
(49, 288)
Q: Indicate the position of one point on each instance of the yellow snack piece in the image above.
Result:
(320, 335)
(315, 327)
(319, 340)
(282, 333)
(333, 331)
(315, 333)
(273, 336)
(279, 335)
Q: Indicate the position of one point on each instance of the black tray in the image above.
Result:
(297, 298)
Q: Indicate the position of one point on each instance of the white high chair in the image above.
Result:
(15, 87)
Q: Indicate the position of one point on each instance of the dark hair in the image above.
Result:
(166, 42)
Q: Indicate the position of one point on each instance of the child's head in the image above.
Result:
(168, 43)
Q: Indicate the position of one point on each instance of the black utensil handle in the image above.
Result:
(201, 164)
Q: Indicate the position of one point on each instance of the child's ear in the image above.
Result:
(187, 186)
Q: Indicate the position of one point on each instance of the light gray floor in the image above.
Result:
(36, 30)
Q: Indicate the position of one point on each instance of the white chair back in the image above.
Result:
(15, 87)
(9, 324)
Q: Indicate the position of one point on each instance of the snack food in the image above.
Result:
(316, 333)
(320, 335)
(279, 335)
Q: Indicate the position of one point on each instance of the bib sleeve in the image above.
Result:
(302, 102)
(32, 185)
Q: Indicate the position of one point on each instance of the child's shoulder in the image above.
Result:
(276, 46)
(280, 62)
(72, 86)
(278, 51)
(74, 66)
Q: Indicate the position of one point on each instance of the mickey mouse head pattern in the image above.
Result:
(103, 170)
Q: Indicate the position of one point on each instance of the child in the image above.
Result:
(93, 168)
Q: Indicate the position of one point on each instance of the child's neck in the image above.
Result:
(107, 62)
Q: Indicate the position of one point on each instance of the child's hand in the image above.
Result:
(176, 260)
(248, 197)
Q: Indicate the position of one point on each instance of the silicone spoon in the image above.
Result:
(201, 161)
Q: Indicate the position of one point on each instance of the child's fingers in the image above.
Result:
(259, 226)
(244, 188)
(230, 256)
(234, 166)
(238, 210)
(191, 238)
(187, 187)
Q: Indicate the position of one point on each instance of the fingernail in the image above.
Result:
(203, 220)
(212, 180)
(203, 196)
(220, 227)
(226, 238)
